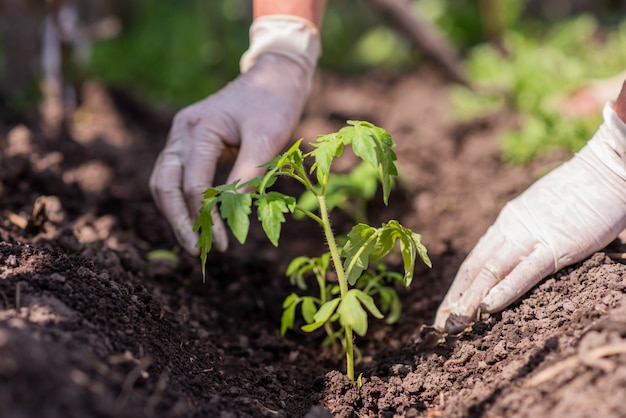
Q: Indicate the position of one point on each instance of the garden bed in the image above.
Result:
(91, 327)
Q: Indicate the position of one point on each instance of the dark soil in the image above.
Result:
(91, 327)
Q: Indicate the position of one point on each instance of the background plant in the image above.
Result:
(342, 306)
(533, 69)
(171, 54)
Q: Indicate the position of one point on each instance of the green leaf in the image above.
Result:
(297, 268)
(363, 180)
(322, 315)
(368, 302)
(235, 208)
(211, 192)
(271, 207)
(289, 313)
(327, 148)
(352, 314)
(261, 181)
(293, 156)
(363, 142)
(283, 163)
(374, 145)
(410, 246)
(359, 382)
(390, 304)
(204, 226)
(421, 249)
(161, 254)
(309, 309)
(357, 251)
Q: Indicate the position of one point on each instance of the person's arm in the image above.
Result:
(311, 10)
(564, 217)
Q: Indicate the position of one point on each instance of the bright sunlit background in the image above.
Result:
(521, 53)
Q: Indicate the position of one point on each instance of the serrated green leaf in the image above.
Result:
(293, 156)
(211, 192)
(408, 248)
(285, 163)
(363, 141)
(421, 249)
(271, 207)
(327, 148)
(374, 145)
(262, 181)
(352, 314)
(385, 242)
(387, 158)
(235, 208)
(204, 226)
(357, 251)
(322, 315)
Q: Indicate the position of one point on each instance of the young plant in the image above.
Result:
(343, 305)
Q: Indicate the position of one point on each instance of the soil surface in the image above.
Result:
(91, 326)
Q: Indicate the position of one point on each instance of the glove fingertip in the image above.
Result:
(456, 323)
(493, 303)
(220, 238)
(193, 251)
(189, 244)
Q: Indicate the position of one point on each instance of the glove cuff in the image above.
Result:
(290, 36)
(609, 142)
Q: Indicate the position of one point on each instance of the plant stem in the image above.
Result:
(310, 214)
(341, 278)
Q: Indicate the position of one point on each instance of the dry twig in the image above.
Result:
(592, 358)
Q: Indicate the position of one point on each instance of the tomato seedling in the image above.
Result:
(342, 307)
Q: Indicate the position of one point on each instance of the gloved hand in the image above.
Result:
(573, 211)
(256, 113)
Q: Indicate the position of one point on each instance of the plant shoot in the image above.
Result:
(342, 306)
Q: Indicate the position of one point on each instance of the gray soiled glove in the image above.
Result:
(256, 113)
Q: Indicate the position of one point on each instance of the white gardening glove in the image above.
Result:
(257, 113)
(573, 211)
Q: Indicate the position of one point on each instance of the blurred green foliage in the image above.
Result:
(176, 53)
(532, 69)
(179, 52)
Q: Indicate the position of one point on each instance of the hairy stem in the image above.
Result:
(341, 278)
